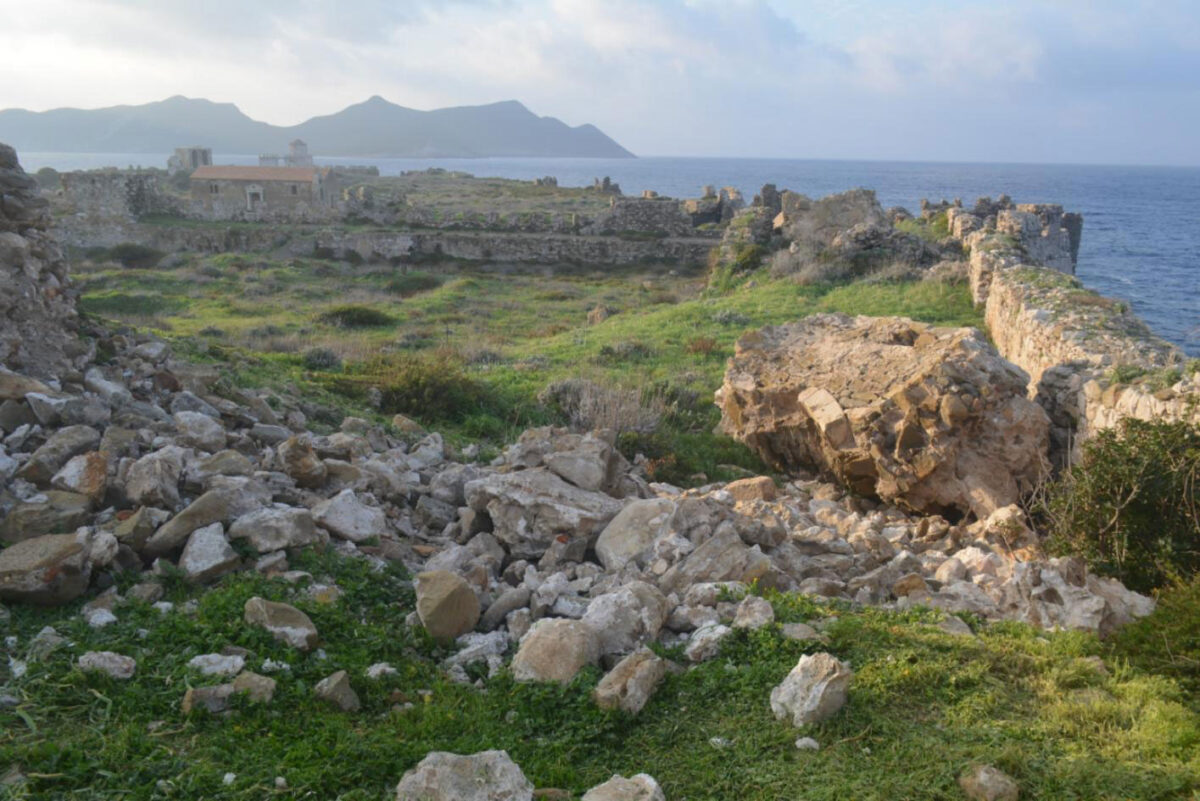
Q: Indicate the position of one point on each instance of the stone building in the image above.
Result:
(298, 156)
(187, 159)
(227, 192)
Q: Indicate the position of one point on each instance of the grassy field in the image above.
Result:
(509, 336)
(923, 705)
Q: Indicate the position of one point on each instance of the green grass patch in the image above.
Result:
(923, 705)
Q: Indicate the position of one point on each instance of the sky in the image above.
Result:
(1080, 81)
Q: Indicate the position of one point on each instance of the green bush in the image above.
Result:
(322, 359)
(134, 256)
(1131, 507)
(356, 317)
(412, 283)
(428, 387)
(47, 178)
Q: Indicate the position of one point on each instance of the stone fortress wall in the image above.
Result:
(1091, 361)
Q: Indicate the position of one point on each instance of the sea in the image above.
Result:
(1141, 230)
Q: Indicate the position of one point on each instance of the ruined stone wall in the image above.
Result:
(107, 195)
(551, 249)
(38, 322)
(657, 215)
(1091, 361)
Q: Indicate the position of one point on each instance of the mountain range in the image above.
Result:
(375, 127)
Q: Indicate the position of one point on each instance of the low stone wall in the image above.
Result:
(1091, 361)
(551, 249)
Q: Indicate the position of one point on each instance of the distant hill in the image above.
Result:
(373, 128)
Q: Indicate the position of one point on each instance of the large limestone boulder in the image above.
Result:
(630, 534)
(813, 691)
(153, 480)
(555, 649)
(47, 571)
(529, 509)
(446, 604)
(285, 622)
(931, 419)
(631, 682)
(722, 557)
(486, 776)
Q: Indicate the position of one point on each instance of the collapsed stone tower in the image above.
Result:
(38, 321)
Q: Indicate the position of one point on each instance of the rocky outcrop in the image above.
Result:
(38, 322)
(928, 418)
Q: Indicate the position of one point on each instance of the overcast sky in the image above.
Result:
(1094, 81)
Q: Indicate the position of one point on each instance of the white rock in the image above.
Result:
(275, 529)
(208, 554)
(349, 518)
(199, 431)
(633, 531)
(379, 670)
(807, 744)
(705, 642)
(486, 776)
(217, 664)
(99, 618)
(113, 664)
(813, 691)
(753, 613)
(641, 787)
(627, 617)
(555, 649)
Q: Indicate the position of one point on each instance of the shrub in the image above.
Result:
(134, 256)
(588, 405)
(731, 318)
(47, 178)
(322, 359)
(1131, 506)
(619, 352)
(412, 283)
(356, 317)
(432, 387)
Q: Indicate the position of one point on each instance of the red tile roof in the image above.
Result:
(232, 173)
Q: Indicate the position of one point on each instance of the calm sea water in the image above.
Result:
(1141, 233)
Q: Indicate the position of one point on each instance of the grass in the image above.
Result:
(511, 335)
(923, 705)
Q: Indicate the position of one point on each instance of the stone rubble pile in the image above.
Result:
(561, 530)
